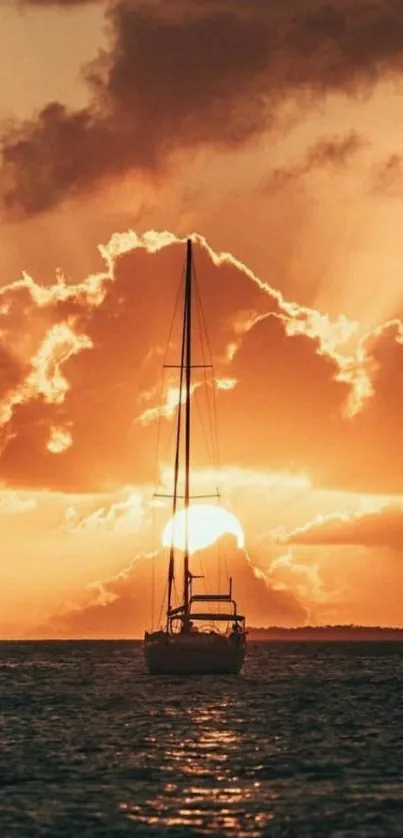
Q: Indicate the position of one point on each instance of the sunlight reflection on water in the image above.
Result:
(307, 742)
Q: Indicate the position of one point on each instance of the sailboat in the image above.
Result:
(204, 634)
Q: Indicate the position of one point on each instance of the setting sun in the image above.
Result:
(206, 524)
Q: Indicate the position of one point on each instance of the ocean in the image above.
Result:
(307, 741)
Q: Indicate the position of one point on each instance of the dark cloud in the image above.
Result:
(326, 153)
(387, 177)
(63, 4)
(177, 77)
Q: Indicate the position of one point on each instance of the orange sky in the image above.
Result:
(278, 144)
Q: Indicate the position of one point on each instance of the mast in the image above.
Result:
(188, 369)
(171, 571)
(185, 379)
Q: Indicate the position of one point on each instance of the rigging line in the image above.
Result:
(164, 365)
(187, 332)
(177, 301)
(219, 571)
(209, 445)
(211, 406)
(176, 595)
(163, 377)
(153, 571)
(210, 451)
(162, 605)
(171, 572)
(209, 441)
(211, 410)
(215, 431)
(214, 424)
(157, 449)
(153, 539)
(203, 316)
(168, 448)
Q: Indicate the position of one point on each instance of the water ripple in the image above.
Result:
(306, 742)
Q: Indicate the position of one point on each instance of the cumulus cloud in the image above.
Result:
(305, 576)
(177, 77)
(80, 379)
(334, 416)
(81, 388)
(295, 401)
(121, 606)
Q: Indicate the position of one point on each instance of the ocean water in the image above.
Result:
(308, 741)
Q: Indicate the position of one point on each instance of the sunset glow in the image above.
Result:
(206, 524)
(277, 151)
(201, 417)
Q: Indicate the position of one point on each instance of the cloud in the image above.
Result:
(60, 440)
(124, 516)
(387, 177)
(294, 405)
(379, 528)
(304, 576)
(12, 504)
(332, 416)
(359, 556)
(327, 153)
(63, 4)
(178, 77)
(121, 606)
(81, 388)
(82, 376)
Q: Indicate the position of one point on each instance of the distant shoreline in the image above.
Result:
(326, 633)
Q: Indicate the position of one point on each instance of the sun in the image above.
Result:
(206, 524)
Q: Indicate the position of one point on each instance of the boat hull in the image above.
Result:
(193, 655)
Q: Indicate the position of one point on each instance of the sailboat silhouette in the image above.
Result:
(196, 638)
